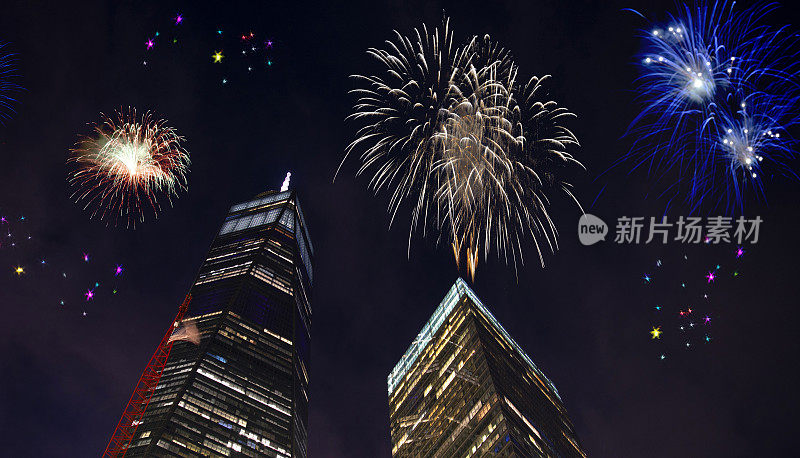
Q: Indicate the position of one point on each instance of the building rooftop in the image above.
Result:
(457, 291)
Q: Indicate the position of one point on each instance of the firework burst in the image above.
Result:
(753, 139)
(123, 171)
(7, 85)
(471, 163)
(711, 77)
(402, 111)
(449, 130)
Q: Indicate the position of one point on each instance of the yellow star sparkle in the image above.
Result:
(217, 56)
(19, 270)
(656, 333)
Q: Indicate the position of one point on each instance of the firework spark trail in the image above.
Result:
(699, 73)
(402, 112)
(755, 133)
(126, 166)
(471, 145)
(7, 85)
(450, 130)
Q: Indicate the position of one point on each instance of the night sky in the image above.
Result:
(584, 318)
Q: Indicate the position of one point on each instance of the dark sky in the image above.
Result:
(584, 319)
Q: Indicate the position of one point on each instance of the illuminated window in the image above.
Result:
(258, 202)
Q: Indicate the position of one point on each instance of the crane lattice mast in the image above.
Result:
(134, 411)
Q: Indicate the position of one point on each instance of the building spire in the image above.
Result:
(285, 185)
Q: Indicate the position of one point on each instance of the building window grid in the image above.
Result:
(250, 221)
(175, 375)
(269, 277)
(419, 344)
(287, 218)
(258, 202)
(488, 439)
(453, 396)
(303, 224)
(234, 248)
(262, 396)
(223, 273)
(301, 243)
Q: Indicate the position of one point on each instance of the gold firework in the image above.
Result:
(449, 130)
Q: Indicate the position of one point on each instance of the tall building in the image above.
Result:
(465, 388)
(243, 390)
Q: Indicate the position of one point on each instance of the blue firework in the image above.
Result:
(7, 85)
(750, 141)
(684, 66)
(708, 75)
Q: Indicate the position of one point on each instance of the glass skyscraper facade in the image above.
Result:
(243, 391)
(464, 388)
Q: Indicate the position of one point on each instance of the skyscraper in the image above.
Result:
(465, 388)
(243, 390)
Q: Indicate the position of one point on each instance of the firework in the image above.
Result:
(7, 85)
(449, 130)
(753, 140)
(718, 91)
(685, 314)
(127, 166)
(683, 68)
(500, 160)
(49, 268)
(471, 164)
(402, 111)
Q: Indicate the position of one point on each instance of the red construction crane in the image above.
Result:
(132, 416)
